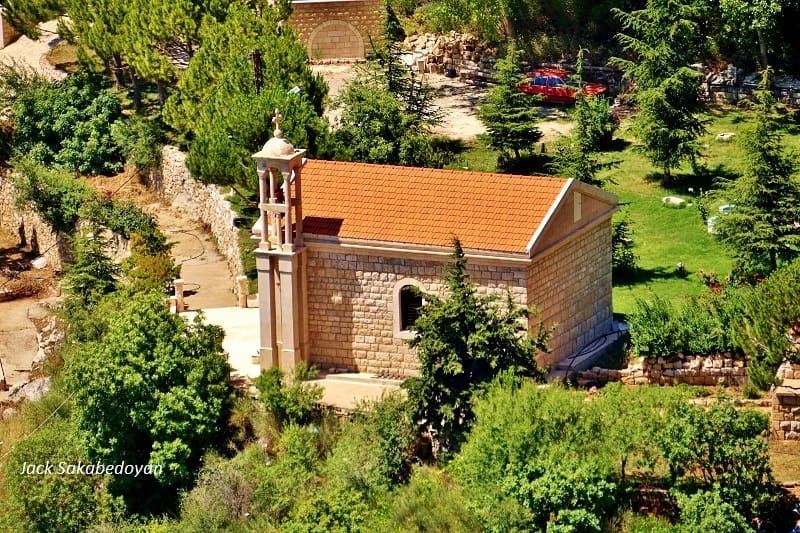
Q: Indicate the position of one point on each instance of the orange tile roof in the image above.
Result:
(497, 212)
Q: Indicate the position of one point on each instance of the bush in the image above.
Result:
(148, 272)
(707, 512)
(139, 140)
(623, 259)
(593, 115)
(289, 401)
(68, 124)
(56, 196)
(55, 502)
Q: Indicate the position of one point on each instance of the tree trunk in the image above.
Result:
(762, 46)
(119, 77)
(162, 92)
(137, 92)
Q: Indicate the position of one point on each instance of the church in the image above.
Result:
(341, 244)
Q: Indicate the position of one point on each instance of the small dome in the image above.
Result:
(277, 147)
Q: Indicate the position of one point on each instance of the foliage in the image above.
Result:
(701, 326)
(217, 104)
(761, 231)
(126, 219)
(387, 115)
(140, 141)
(430, 503)
(764, 316)
(56, 196)
(290, 401)
(56, 501)
(623, 259)
(25, 15)
(149, 272)
(374, 452)
(722, 448)
(68, 124)
(151, 390)
(661, 39)
(93, 274)
(463, 342)
(752, 20)
(667, 124)
(707, 512)
(509, 115)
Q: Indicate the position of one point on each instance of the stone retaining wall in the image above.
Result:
(201, 202)
(690, 369)
(786, 404)
(31, 229)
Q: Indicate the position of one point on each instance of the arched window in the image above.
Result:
(410, 303)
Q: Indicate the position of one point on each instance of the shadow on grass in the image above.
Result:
(643, 276)
(703, 177)
(617, 145)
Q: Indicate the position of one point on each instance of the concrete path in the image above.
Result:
(341, 391)
(30, 53)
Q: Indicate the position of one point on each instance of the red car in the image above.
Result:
(551, 85)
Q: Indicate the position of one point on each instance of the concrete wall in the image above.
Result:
(352, 299)
(338, 29)
(31, 229)
(202, 202)
(571, 287)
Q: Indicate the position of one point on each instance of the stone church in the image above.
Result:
(341, 244)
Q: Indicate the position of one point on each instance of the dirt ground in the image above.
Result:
(208, 281)
(31, 53)
(458, 101)
(17, 331)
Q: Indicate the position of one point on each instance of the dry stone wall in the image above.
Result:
(786, 403)
(691, 369)
(31, 229)
(351, 302)
(202, 202)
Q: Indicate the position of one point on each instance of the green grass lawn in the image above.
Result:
(663, 236)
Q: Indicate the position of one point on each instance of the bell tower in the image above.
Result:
(280, 256)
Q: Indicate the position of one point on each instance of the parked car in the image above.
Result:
(551, 84)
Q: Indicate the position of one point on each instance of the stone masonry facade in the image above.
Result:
(571, 288)
(338, 29)
(351, 299)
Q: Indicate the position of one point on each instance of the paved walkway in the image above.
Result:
(342, 391)
(31, 54)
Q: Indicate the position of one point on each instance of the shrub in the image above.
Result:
(623, 260)
(707, 512)
(55, 502)
(140, 141)
(574, 521)
(148, 272)
(56, 196)
(597, 125)
(290, 401)
(68, 124)
(652, 328)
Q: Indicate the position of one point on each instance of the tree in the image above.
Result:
(463, 342)
(509, 115)
(623, 258)
(707, 512)
(25, 15)
(661, 38)
(93, 274)
(722, 448)
(667, 124)
(218, 105)
(746, 18)
(763, 231)
(152, 390)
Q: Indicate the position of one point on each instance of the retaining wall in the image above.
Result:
(689, 369)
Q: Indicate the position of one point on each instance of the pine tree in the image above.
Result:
(93, 274)
(763, 231)
(509, 115)
(463, 342)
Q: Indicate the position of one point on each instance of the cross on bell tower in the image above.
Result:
(280, 256)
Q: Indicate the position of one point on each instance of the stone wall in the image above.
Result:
(352, 298)
(7, 32)
(31, 229)
(202, 202)
(786, 404)
(338, 29)
(689, 369)
(571, 287)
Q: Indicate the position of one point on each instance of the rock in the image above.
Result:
(674, 202)
(725, 136)
(31, 391)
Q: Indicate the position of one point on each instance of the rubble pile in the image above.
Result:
(457, 54)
